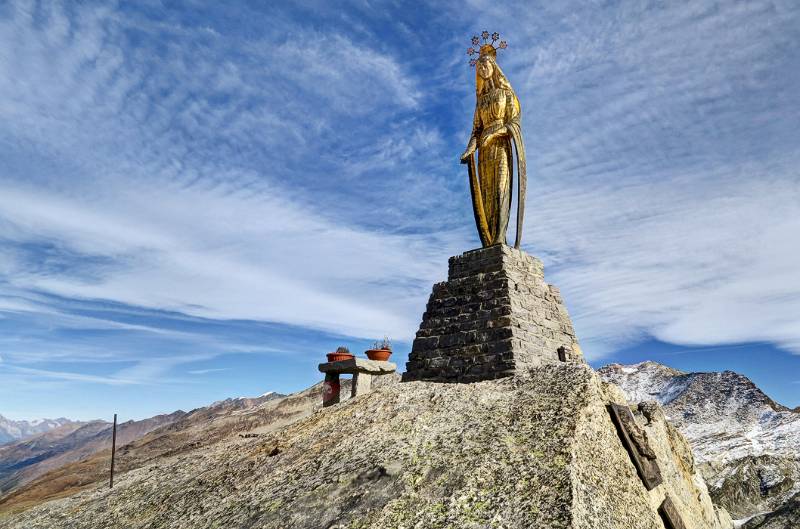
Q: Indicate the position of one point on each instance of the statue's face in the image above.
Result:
(485, 68)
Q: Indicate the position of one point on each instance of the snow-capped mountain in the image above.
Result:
(725, 415)
(243, 402)
(746, 444)
(15, 430)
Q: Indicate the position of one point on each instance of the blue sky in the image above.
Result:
(198, 201)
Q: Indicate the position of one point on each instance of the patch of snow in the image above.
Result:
(741, 521)
(672, 390)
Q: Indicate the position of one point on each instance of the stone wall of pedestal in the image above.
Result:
(493, 317)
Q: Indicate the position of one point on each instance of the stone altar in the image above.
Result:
(362, 370)
(493, 317)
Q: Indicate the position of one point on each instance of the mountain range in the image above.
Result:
(27, 459)
(14, 430)
(747, 445)
(62, 462)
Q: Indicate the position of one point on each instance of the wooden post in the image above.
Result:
(113, 449)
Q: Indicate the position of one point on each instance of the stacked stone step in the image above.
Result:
(493, 317)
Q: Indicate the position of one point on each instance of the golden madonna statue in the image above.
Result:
(495, 125)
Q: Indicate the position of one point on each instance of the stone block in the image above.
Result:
(358, 365)
(362, 383)
(670, 515)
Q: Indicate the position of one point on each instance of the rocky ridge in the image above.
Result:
(747, 445)
(533, 450)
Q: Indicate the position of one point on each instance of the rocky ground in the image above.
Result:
(535, 451)
(744, 443)
(747, 446)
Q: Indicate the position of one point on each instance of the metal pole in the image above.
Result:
(113, 449)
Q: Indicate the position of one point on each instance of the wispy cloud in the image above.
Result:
(222, 236)
(73, 377)
(207, 371)
(297, 165)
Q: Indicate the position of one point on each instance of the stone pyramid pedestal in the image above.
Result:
(494, 317)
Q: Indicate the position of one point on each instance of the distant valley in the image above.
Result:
(65, 460)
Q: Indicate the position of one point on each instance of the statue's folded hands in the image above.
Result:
(488, 136)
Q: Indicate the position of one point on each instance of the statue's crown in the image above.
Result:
(488, 48)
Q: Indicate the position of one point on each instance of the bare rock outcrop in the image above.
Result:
(535, 450)
(785, 516)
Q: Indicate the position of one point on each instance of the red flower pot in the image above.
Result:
(338, 357)
(381, 355)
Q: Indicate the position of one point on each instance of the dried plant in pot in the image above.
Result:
(381, 350)
(341, 353)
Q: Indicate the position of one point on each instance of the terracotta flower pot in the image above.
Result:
(338, 357)
(381, 355)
